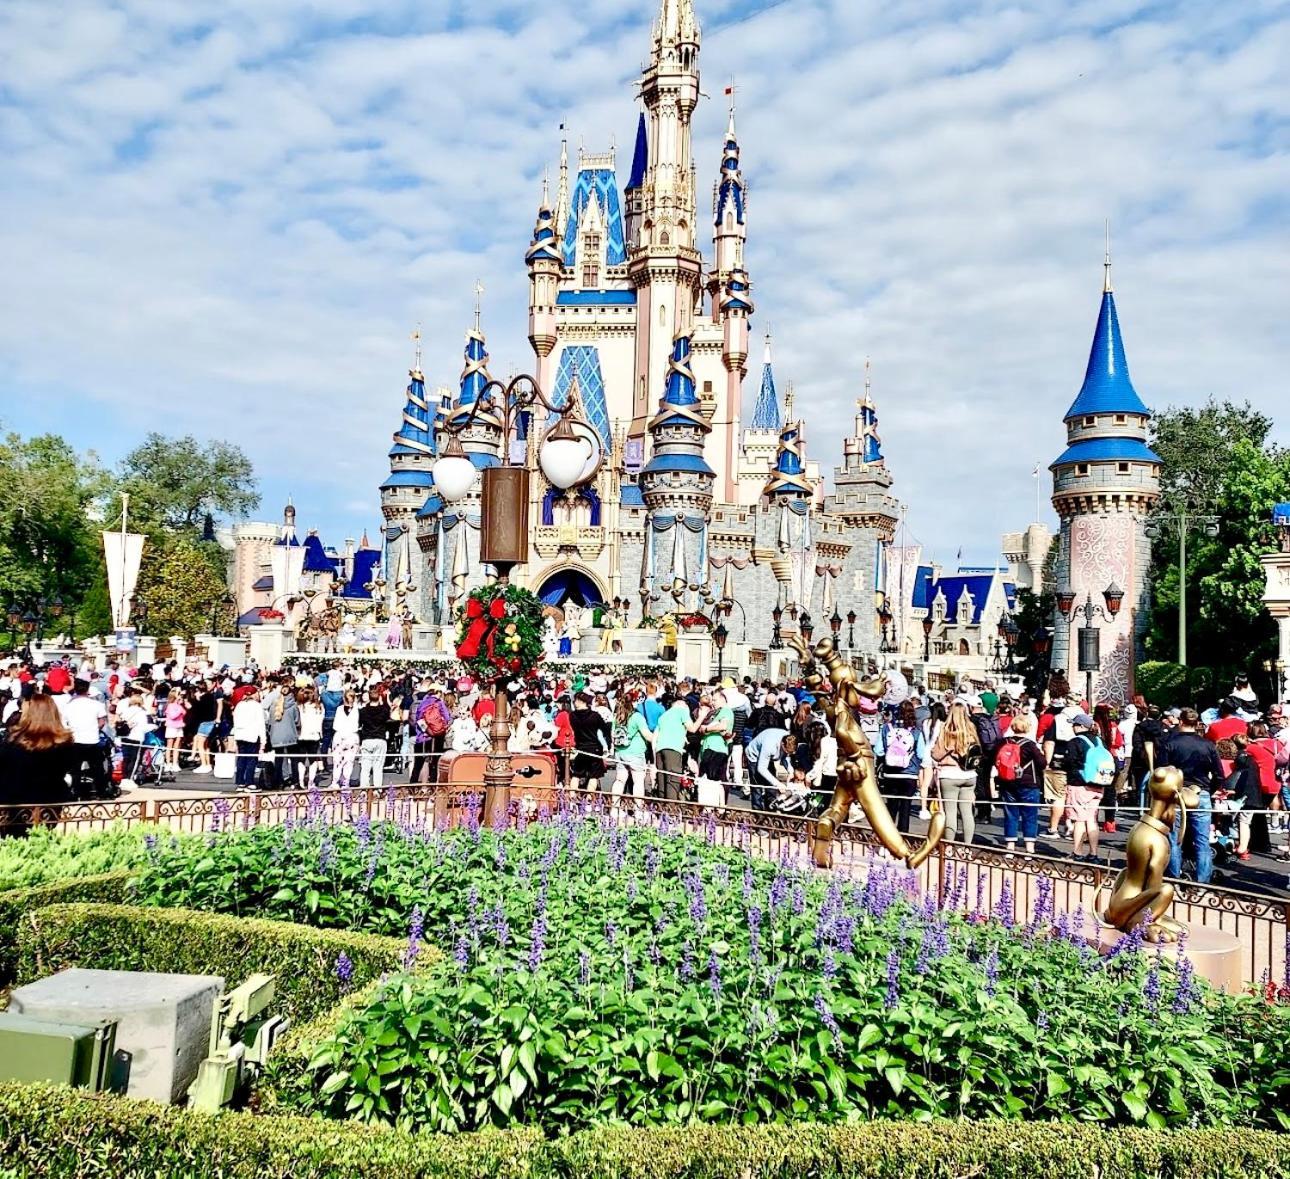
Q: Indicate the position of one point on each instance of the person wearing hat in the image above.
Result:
(1082, 796)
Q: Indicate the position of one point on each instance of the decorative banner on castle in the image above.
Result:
(122, 553)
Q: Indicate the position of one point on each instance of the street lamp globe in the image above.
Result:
(563, 456)
(454, 473)
(1065, 600)
(56, 607)
(927, 626)
(1113, 595)
(719, 636)
(29, 621)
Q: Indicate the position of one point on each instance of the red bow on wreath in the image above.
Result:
(481, 629)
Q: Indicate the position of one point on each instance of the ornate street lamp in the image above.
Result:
(927, 639)
(1090, 635)
(1010, 630)
(776, 643)
(835, 625)
(570, 454)
(55, 607)
(719, 636)
(806, 626)
(851, 630)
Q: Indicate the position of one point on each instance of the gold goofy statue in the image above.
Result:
(828, 676)
(1141, 887)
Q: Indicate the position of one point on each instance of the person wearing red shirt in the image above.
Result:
(1227, 725)
(1262, 751)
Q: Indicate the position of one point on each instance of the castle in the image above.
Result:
(651, 338)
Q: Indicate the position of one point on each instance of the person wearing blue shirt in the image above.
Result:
(901, 749)
(769, 749)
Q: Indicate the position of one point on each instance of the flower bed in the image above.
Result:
(597, 975)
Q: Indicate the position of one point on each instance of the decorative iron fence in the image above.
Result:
(973, 877)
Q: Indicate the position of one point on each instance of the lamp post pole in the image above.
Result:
(1090, 635)
(567, 459)
(851, 631)
(1183, 521)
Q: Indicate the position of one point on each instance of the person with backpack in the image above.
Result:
(1090, 768)
(989, 731)
(1055, 733)
(1197, 757)
(432, 720)
(631, 738)
(901, 751)
(1019, 767)
(955, 757)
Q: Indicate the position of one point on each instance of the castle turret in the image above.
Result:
(544, 262)
(676, 484)
(664, 265)
(634, 193)
(482, 438)
(1105, 483)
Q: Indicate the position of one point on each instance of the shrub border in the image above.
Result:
(50, 1131)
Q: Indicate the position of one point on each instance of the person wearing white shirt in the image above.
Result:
(85, 717)
(250, 734)
(344, 739)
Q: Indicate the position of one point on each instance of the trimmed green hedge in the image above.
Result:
(53, 1132)
(111, 886)
(183, 941)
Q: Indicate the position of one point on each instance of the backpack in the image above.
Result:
(1099, 766)
(899, 743)
(435, 718)
(1008, 762)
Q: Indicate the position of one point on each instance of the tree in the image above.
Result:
(180, 581)
(49, 543)
(1217, 462)
(175, 483)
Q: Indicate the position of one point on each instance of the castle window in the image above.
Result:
(730, 221)
(1090, 421)
(1121, 419)
(1123, 468)
(664, 239)
(662, 315)
(707, 388)
(1081, 468)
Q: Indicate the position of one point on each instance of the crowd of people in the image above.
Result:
(1049, 762)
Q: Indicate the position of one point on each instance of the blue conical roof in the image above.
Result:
(640, 157)
(1107, 388)
(679, 389)
(474, 376)
(766, 412)
(416, 433)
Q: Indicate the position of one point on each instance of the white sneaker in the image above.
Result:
(202, 770)
(924, 814)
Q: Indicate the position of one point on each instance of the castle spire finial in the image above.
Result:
(766, 353)
(479, 295)
(866, 378)
(1106, 279)
(416, 353)
(730, 96)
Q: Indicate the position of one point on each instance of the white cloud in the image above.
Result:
(224, 217)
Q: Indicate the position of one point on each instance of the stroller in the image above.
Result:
(151, 769)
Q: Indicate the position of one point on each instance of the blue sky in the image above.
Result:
(224, 217)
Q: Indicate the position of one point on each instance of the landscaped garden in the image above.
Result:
(573, 974)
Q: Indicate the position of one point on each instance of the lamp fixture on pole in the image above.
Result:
(1090, 636)
(569, 454)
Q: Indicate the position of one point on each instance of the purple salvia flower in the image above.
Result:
(778, 891)
(326, 854)
(1077, 928)
(1185, 991)
(652, 858)
(1041, 1020)
(1062, 926)
(1152, 988)
(416, 927)
(1003, 910)
(1043, 901)
(711, 829)
(632, 888)
(344, 969)
(844, 934)
(722, 874)
(655, 955)
(978, 910)
(629, 972)
(537, 942)
(754, 916)
(798, 900)
(611, 933)
(923, 962)
(363, 831)
(150, 843)
(992, 970)
(390, 797)
(461, 954)
(687, 962)
(828, 966)
(499, 855)
(827, 1019)
(714, 975)
(940, 938)
(584, 967)
(893, 979)
(749, 881)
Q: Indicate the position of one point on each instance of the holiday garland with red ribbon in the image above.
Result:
(500, 632)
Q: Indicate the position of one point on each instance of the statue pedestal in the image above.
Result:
(1215, 954)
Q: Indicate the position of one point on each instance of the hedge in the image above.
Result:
(53, 1132)
(110, 886)
(183, 941)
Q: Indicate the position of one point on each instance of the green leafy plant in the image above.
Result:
(45, 855)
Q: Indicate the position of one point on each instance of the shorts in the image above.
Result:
(206, 728)
(1054, 785)
(172, 733)
(1083, 801)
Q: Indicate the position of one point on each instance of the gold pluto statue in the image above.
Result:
(1141, 886)
(827, 675)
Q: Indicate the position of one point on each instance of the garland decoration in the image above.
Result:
(500, 632)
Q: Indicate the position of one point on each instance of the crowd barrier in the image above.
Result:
(971, 877)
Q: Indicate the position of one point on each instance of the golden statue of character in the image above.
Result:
(826, 674)
(1141, 885)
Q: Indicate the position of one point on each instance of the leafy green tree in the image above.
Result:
(49, 498)
(1216, 462)
(176, 483)
(179, 582)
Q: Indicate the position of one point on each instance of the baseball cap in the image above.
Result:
(1082, 719)
(728, 682)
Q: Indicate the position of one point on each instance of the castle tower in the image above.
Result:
(790, 491)
(544, 262)
(863, 502)
(664, 265)
(730, 287)
(634, 193)
(677, 483)
(1105, 483)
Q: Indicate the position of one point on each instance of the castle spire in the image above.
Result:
(1106, 277)
(640, 156)
(766, 413)
(788, 476)
(562, 187)
(1107, 387)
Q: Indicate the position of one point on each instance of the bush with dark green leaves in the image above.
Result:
(600, 975)
(61, 1133)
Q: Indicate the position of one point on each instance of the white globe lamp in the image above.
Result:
(563, 456)
(454, 473)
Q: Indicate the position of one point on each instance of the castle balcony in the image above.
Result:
(552, 539)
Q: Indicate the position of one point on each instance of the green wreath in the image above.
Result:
(500, 632)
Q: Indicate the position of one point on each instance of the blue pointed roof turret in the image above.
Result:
(415, 434)
(1107, 388)
(544, 246)
(766, 413)
(679, 404)
(640, 156)
(730, 189)
(788, 476)
(474, 374)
